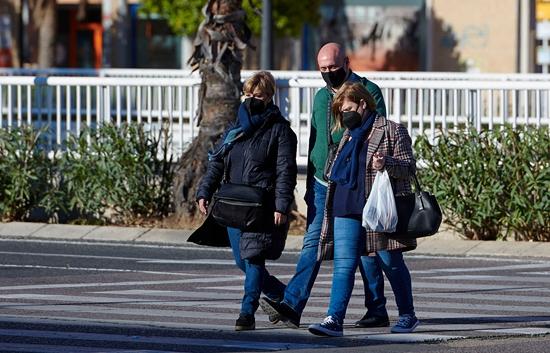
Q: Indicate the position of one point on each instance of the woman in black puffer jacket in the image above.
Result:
(258, 150)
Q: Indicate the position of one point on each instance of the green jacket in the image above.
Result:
(318, 144)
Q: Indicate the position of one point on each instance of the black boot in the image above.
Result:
(373, 321)
(245, 322)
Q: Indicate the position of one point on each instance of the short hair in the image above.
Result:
(354, 92)
(263, 81)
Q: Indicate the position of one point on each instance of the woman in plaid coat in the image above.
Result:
(371, 143)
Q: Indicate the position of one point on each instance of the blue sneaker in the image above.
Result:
(405, 324)
(329, 327)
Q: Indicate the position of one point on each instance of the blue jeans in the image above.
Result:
(298, 289)
(393, 265)
(257, 278)
(349, 243)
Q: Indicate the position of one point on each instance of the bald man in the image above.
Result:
(334, 67)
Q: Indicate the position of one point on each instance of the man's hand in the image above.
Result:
(279, 218)
(203, 206)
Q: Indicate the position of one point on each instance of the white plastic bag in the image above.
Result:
(380, 213)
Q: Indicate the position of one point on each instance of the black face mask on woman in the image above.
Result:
(334, 78)
(254, 105)
(351, 119)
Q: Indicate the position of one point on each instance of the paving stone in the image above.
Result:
(110, 233)
(63, 231)
(19, 229)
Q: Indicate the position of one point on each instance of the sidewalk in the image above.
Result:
(444, 243)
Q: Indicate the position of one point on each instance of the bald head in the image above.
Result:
(331, 55)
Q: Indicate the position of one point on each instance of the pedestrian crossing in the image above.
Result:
(451, 303)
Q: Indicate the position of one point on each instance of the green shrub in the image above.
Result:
(25, 171)
(111, 174)
(123, 170)
(493, 184)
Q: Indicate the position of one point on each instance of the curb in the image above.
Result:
(444, 243)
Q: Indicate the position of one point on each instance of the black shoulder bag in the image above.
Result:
(332, 147)
(240, 206)
(418, 213)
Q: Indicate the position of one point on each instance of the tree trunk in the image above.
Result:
(218, 56)
(44, 15)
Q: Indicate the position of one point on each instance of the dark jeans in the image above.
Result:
(257, 278)
(393, 265)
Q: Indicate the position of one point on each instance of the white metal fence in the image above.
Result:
(423, 102)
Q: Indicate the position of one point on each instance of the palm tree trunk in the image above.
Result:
(44, 15)
(218, 56)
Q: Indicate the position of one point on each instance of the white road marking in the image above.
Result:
(97, 269)
(409, 338)
(494, 278)
(491, 297)
(174, 294)
(225, 278)
(522, 331)
(179, 341)
(49, 348)
(542, 264)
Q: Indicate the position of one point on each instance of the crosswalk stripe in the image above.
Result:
(491, 297)
(324, 286)
(210, 279)
(178, 341)
(94, 309)
(48, 348)
(409, 337)
(506, 268)
(492, 278)
(522, 330)
(82, 299)
(175, 294)
(482, 307)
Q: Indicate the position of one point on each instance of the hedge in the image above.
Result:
(491, 185)
(105, 175)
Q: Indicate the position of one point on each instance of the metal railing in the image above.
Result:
(424, 102)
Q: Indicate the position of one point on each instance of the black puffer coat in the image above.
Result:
(268, 161)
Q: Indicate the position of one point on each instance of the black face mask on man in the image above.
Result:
(335, 78)
(351, 119)
(254, 105)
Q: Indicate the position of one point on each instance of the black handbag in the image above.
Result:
(419, 214)
(240, 206)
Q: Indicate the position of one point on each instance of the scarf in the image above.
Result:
(345, 168)
(247, 125)
(251, 123)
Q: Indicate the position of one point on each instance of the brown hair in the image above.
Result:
(263, 81)
(354, 92)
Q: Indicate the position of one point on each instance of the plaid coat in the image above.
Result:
(394, 142)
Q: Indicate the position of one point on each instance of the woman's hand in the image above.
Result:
(378, 161)
(280, 218)
(203, 206)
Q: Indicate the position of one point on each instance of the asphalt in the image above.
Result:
(446, 242)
